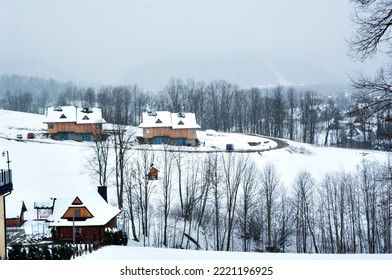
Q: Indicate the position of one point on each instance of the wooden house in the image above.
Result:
(74, 123)
(169, 128)
(15, 213)
(82, 219)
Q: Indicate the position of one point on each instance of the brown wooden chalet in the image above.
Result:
(169, 128)
(82, 220)
(15, 213)
(74, 123)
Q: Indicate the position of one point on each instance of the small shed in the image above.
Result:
(153, 173)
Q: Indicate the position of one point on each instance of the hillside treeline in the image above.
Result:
(285, 112)
(226, 202)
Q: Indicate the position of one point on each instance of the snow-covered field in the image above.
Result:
(43, 168)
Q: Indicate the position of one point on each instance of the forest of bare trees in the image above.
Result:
(226, 202)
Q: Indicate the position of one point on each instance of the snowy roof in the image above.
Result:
(13, 209)
(102, 211)
(167, 119)
(74, 114)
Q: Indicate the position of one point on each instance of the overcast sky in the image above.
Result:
(101, 41)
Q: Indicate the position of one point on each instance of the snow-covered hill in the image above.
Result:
(44, 168)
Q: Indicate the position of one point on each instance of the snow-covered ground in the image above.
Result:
(43, 168)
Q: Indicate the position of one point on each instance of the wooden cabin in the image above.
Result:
(74, 123)
(87, 218)
(163, 127)
(15, 213)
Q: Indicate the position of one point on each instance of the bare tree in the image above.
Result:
(269, 181)
(122, 138)
(166, 177)
(255, 110)
(386, 206)
(144, 188)
(214, 108)
(303, 206)
(247, 204)
(202, 214)
(131, 199)
(175, 93)
(309, 116)
(334, 204)
(42, 101)
(89, 97)
(292, 101)
(373, 19)
(369, 186)
(279, 111)
(214, 173)
(99, 163)
(233, 172)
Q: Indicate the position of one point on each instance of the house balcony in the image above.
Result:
(5, 182)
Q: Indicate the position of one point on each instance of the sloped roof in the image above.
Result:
(77, 211)
(101, 211)
(14, 209)
(184, 120)
(156, 119)
(74, 114)
(167, 119)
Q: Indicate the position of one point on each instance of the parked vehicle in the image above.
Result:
(19, 136)
(30, 135)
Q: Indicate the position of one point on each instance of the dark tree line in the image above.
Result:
(285, 112)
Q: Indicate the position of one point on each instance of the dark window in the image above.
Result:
(180, 123)
(158, 121)
(77, 213)
(63, 116)
(85, 118)
(50, 125)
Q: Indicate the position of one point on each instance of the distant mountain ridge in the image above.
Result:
(245, 71)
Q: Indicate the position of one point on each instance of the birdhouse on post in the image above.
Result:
(153, 173)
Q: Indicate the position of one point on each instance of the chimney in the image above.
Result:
(102, 190)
